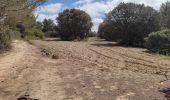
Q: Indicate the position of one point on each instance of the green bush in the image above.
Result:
(51, 34)
(5, 38)
(159, 42)
(33, 34)
(16, 34)
(92, 34)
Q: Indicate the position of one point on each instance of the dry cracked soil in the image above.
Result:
(51, 69)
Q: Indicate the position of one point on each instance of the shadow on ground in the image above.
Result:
(111, 44)
(166, 92)
(52, 39)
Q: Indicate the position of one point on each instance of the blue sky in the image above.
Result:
(95, 8)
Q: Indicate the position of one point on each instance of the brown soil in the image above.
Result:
(92, 70)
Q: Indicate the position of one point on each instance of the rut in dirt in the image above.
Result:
(61, 70)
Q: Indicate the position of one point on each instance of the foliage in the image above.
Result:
(49, 28)
(108, 31)
(92, 34)
(33, 33)
(48, 25)
(159, 42)
(39, 25)
(129, 23)
(5, 38)
(15, 14)
(165, 15)
(73, 24)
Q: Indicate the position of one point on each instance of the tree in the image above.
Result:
(130, 23)
(13, 7)
(39, 25)
(74, 24)
(108, 31)
(165, 15)
(50, 28)
(15, 13)
(48, 25)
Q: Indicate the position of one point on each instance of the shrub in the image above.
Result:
(5, 38)
(92, 34)
(33, 34)
(16, 34)
(74, 24)
(51, 34)
(159, 42)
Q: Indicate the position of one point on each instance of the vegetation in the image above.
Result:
(74, 24)
(5, 38)
(15, 16)
(107, 31)
(49, 28)
(34, 33)
(92, 34)
(159, 42)
(165, 15)
(129, 24)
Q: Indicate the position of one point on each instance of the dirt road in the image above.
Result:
(93, 70)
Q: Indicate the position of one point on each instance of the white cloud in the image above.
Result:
(83, 2)
(41, 17)
(49, 11)
(96, 22)
(95, 8)
(51, 8)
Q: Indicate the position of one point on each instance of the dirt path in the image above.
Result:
(93, 70)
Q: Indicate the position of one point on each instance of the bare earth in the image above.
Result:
(93, 70)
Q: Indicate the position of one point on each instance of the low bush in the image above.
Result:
(16, 34)
(92, 34)
(33, 34)
(51, 34)
(159, 42)
(5, 38)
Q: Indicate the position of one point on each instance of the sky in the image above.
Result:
(97, 9)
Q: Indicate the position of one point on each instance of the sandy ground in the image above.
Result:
(93, 70)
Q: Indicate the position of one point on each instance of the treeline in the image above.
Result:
(17, 20)
(138, 25)
(128, 24)
(72, 24)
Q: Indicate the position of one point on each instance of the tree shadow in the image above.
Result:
(166, 92)
(113, 44)
(106, 44)
(52, 39)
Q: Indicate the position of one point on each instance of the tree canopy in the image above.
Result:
(73, 24)
(165, 12)
(130, 23)
(16, 14)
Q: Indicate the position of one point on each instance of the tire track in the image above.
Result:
(132, 62)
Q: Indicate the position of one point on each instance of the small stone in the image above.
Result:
(47, 53)
(55, 56)
(102, 70)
